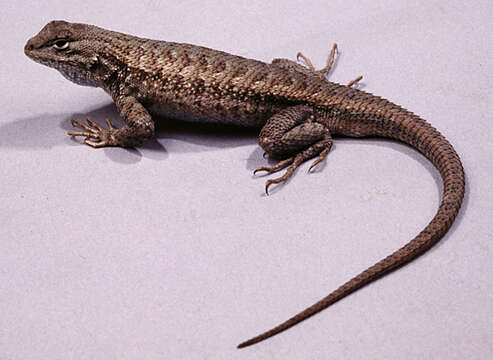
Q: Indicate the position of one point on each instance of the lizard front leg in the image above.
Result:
(295, 136)
(138, 128)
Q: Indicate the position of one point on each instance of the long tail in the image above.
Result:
(422, 136)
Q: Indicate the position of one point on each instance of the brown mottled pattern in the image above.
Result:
(297, 109)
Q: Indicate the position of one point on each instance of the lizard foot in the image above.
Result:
(322, 148)
(326, 69)
(294, 161)
(295, 136)
(321, 156)
(323, 72)
(94, 131)
(280, 179)
(279, 166)
(354, 81)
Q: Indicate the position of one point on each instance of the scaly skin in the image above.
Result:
(295, 107)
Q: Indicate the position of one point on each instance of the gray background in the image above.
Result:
(172, 251)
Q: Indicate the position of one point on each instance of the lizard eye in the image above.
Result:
(61, 44)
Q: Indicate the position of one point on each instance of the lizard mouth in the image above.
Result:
(35, 51)
(40, 56)
(68, 68)
(39, 59)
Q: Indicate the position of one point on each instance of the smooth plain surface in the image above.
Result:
(172, 250)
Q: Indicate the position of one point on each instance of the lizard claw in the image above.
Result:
(320, 158)
(95, 144)
(293, 164)
(278, 180)
(271, 169)
(268, 183)
(94, 131)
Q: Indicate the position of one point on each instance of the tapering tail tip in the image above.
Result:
(249, 342)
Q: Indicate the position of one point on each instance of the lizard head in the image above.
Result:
(72, 49)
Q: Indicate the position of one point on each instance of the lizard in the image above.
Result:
(296, 109)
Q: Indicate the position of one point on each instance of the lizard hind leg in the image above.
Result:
(327, 68)
(309, 69)
(294, 136)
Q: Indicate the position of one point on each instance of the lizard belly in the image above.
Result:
(210, 109)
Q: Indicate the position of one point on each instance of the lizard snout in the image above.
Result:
(29, 46)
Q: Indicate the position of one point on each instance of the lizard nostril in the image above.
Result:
(29, 46)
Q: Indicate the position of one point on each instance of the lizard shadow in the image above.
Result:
(40, 132)
(175, 136)
(171, 136)
(36, 132)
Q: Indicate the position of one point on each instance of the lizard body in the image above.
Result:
(297, 109)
